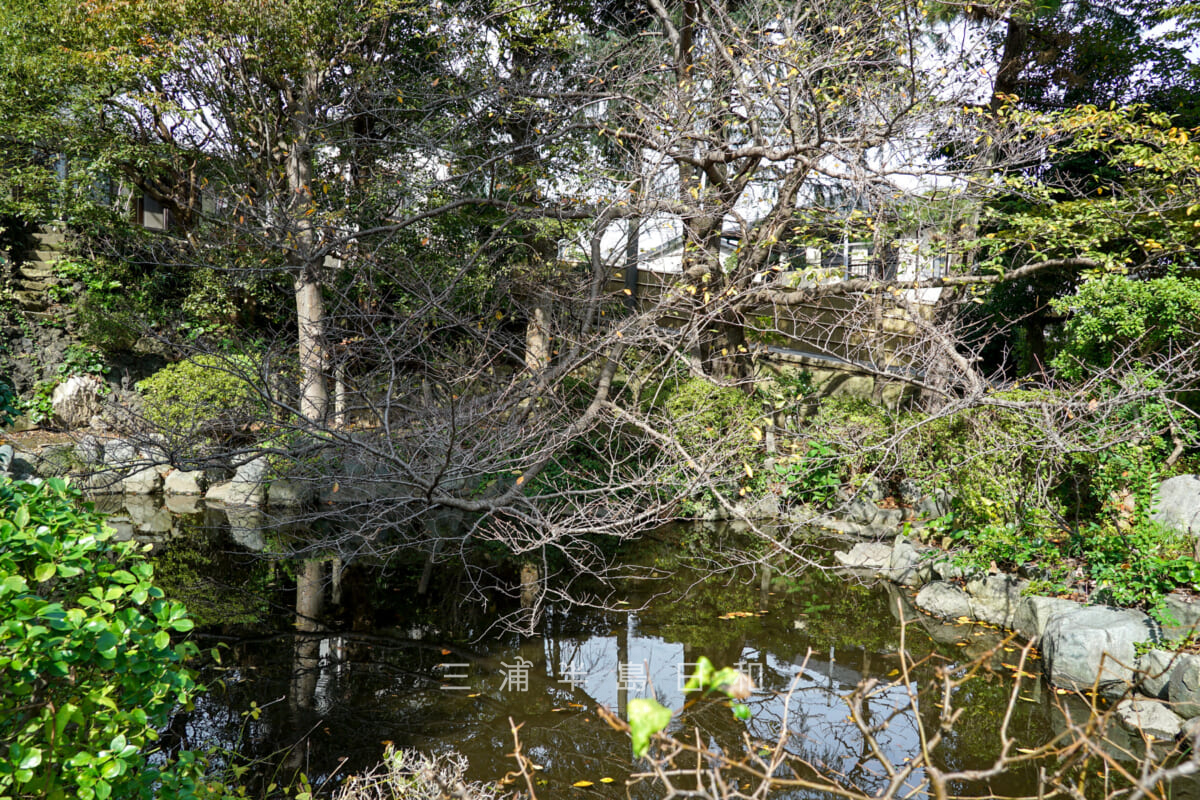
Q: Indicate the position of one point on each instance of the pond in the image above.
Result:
(319, 666)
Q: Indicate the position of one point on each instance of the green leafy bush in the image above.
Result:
(88, 668)
(704, 414)
(206, 394)
(1115, 315)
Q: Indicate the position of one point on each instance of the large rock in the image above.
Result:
(1177, 504)
(75, 401)
(995, 598)
(1094, 647)
(944, 600)
(864, 555)
(184, 482)
(1033, 613)
(1154, 672)
(907, 566)
(6, 458)
(1149, 717)
(1183, 613)
(1183, 690)
(142, 481)
(248, 487)
(290, 494)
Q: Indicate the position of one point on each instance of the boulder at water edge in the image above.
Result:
(1094, 646)
(1177, 504)
(1183, 689)
(1149, 717)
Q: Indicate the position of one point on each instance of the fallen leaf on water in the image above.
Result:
(606, 780)
(583, 784)
(474, 695)
(446, 652)
(893, 673)
(1026, 750)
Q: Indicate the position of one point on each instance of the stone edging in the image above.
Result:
(1083, 648)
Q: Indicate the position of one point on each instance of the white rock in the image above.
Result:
(184, 482)
(75, 401)
(1149, 717)
(143, 481)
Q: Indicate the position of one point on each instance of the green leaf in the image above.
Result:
(741, 711)
(702, 677)
(14, 583)
(30, 758)
(21, 518)
(646, 718)
(182, 625)
(44, 572)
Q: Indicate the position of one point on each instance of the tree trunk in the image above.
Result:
(307, 260)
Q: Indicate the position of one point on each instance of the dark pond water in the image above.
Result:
(322, 664)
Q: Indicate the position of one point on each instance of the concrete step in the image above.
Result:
(50, 240)
(46, 256)
(35, 271)
(35, 286)
(31, 301)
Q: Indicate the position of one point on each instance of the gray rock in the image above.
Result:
(100, 483)
(248, 487)
(1034, 612)
(289, 494)
(185, 482)
(908, 492)
(864, 555)
(142, 481)
(888, 518)
(75, 401)
(1183, 612)
(90, 450)
(6, 458)
(1150, 717)
(1094, 647)
(995, 598)
(933, 506)
(1177, 504)
(873, 490)
(861, 511)
(944, 600)
(906, 565)
(119, 453)
(1183, 690)
(1190, 729)
(1154, 672)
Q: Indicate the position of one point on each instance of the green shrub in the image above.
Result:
(88, 669)
(1115, 315)
(705, 414)
(206, 394)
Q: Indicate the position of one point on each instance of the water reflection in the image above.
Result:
(340, 658)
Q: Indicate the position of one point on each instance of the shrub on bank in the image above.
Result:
(208, 395)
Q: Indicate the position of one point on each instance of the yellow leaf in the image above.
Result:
(893, 673)
(749, 472)
(583, 784)
(606, 780)
(520, 480)
(756, 434)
